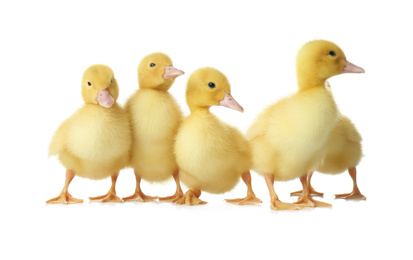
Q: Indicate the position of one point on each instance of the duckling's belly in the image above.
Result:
(98, 134)
(153, 159)
(155, 119)
(212, 184)
(93, 169)
(208, 156)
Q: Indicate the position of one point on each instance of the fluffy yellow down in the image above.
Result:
(288, 138)
(211, 154)
(155, 117)
(343, 148)
(95, 141)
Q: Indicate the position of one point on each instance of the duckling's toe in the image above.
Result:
(307, 201)
(64, 198)
(109, 197)
(140, 197)
(351, 196)
(191, 198)
(313, 193)
(248, 200)
(177, 196)
(278, 205)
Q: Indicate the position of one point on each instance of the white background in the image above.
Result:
(46, 46)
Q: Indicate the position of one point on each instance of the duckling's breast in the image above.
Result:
(211, 155)
(155, 118)
(98, 134)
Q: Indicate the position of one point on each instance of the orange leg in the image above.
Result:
(178, 194)
(355, 194)
(313, 192)
(111, 195)
(305, 198)
(139, 195)
(191, 198)
(65, 197)
(250, 198)
(275, 202)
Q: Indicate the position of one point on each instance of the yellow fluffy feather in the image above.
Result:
(155, 117)
(211, 154)
(342, 149)
(288, 138)
(95, 141)
(342, 152)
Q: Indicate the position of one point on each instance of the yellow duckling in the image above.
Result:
(211, 154)
(155, 117)
(343, 152)
(288, 138)
(95, 141)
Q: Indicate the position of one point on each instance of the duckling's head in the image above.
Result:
(99, 86)
(319, 60)
(156, 72)
(209, 87)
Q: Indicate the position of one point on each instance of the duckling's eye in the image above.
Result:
(89, 84)
(152, 65)
(332, 53)
(211, 85)
(111, 81)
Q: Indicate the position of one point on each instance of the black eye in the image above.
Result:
(332, 53)
(152, 65)
(89, 84)
(111, 81)
(211, 84)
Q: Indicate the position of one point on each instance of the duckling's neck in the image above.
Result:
(165, 86)
(151, 90)
(159, 88)
(199, 110)
(309, 82)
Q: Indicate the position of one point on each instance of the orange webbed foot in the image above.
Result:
(177, 196)
(351, 196)
(355, 194)
(109, 197)
(278, 205)
(140, 197)
(312, 193)
(250, 199)
(64, 198)
(307, 201)
(311, 190)
(191, 198)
